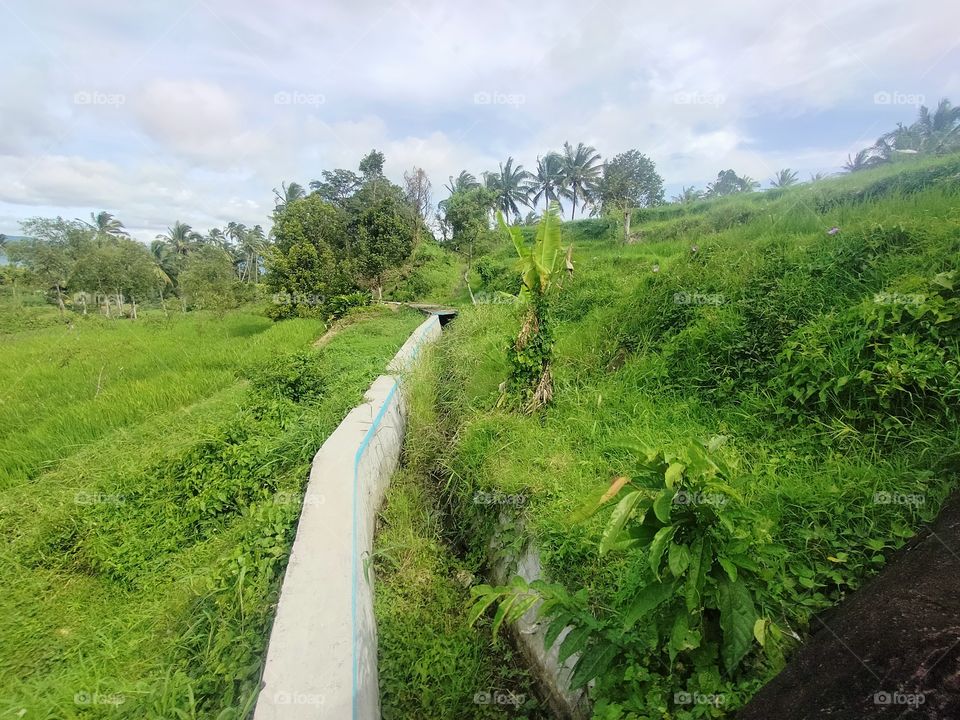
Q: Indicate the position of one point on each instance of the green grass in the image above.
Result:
(685, 336)
(142, 562)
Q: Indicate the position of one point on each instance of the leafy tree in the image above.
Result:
(466, 214)
(581, 173)
(208, 281)
(630, 180)
(729, 183)
(371, 166)
(385, 238)
(932, 133)
(531, 353)
(511, 186)
(306, 260)
(337, 186)
(547, 182)
(180, 238)
(50, 252)
(785, 178)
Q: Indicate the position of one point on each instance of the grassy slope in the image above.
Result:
(636, 363)
(140, 568)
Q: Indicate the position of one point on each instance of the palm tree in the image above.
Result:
(785, 178)
(688, 195)
(817, 177)
(512, 187)
(180, 238)
(866, 158)
(287, 194)
(581, 172)
(464, 181)
(547, 182)
(251, 245)
(103, 223)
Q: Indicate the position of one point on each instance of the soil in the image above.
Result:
(890, 650)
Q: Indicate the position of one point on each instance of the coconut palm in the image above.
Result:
(581, 173)
(250, 247)
(817, 176)
(512, 186)
(687, 195)
(547, 182)
(103, 223)
(288, 194)
(180, 238)
(463, 181)
(785, 178)
(866, 158)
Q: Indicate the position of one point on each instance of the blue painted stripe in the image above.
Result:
(355, 580)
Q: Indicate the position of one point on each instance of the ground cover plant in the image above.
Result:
(754, 403)
(142, 560)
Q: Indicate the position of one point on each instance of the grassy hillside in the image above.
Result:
(152, 478)
(814, 371)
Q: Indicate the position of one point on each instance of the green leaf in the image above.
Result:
(502, 611)
(700, 563)
(674, 473)
(554, 629)
(592, 663)
(760, 631)
(485, 597)
(663, 504)
(575, 641)
(737, 618)
(646, 601)
(660, 541)
(620, 515)
(678, 559)
(729, 567)
(678, 634)
(638, 535)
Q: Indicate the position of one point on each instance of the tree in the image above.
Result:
(385, 239)
(547, 182)
(581, 173)
(337, 186)
(463, 181)
(307, 260)
(785, 178)
(50, 252)
(688, 195)
(466, 213)
(932, 133)
(371, 165)
(863, 160)
(180, 238)
(250, 247)
(287, 194)
(208, 281)
(511, 187)
(630, 180)
(103, 223)
(417, 189)
(531, 354)
(729, 183)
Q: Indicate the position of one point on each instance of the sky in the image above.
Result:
(194, 110)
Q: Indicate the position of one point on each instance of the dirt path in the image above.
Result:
(891, 650)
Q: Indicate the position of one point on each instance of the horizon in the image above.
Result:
(113, 120)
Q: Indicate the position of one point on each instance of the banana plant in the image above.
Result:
(540, 265)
